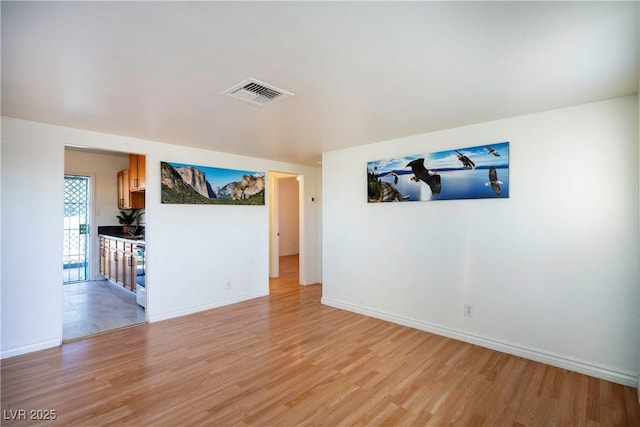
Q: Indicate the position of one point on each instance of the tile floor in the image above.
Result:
(98, 306)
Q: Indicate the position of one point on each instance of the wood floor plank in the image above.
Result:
(287, 360)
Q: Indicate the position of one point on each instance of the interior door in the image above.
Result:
(75, 258)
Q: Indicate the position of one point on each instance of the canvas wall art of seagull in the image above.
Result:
(421, 173)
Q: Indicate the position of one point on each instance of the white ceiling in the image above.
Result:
(361, 72)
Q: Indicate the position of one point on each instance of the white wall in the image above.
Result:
(310, 199)
(103, 169)
(551, 272)
(288, 201)
(192, 250)
(638, 329)
(32, 225)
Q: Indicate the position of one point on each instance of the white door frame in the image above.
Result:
(274, 221)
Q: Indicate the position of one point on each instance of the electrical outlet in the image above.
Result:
(468, 310)
(228, 284)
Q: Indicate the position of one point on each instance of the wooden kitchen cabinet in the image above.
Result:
(124, 196)
(118, 261)
(129, 268)
(114, 270)
(104, 263)
(128, 199)
(137, 172)
(132, 183)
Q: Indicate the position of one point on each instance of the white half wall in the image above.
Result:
(192, 250)
(551, 272)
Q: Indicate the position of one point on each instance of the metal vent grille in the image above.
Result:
(256, 92)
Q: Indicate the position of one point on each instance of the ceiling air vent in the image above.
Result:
(256, 92)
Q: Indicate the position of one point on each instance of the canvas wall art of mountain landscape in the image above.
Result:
(191, 184)
(480, 172)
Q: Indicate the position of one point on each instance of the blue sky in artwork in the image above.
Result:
(218, 177)
(444, 160)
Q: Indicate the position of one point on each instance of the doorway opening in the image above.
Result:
(75, 257)
(284, 225)
(91, 303)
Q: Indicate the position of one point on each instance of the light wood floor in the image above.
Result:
(287, 360)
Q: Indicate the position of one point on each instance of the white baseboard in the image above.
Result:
(306, 282)
(17, 351)
(198, 308)
(580, 366)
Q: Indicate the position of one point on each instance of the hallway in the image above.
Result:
(289, 280)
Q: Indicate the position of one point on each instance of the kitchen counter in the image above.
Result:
(115, 231)
(135, 239)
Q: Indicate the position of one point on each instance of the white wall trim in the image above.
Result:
(199, 308)
(42, 345)
(598, 371)
(313, 281)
